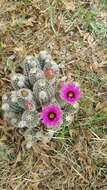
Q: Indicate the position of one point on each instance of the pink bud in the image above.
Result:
(49, 74)
(29, 105)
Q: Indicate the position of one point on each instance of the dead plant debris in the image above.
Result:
(75, 32)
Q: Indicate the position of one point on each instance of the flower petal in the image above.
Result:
(68, 88)
(52, 108)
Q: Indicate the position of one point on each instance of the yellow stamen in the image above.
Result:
(70, 94)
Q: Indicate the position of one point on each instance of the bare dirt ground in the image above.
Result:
(75, 32)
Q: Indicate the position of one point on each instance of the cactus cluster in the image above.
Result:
(39, 86)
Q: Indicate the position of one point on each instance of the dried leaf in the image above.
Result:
(69, 5)
(101, 106)
(3, 27)
(35, 3)
(35, 176)
(30, 21)
(104, 77)
(34, 187)
(20, 49)
(18, 158)
(1, 83)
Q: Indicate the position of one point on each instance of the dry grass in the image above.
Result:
(76, 35)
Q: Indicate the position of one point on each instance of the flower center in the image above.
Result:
(52, 115)
(70, 94)
(24, 93)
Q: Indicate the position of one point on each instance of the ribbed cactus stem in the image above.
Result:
(35, 74)
(29, 63)
(19, 81)
(43, 57)
(31, 118)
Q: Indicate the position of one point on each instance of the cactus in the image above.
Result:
(30, 119)
(19, 81)
(37, 103)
